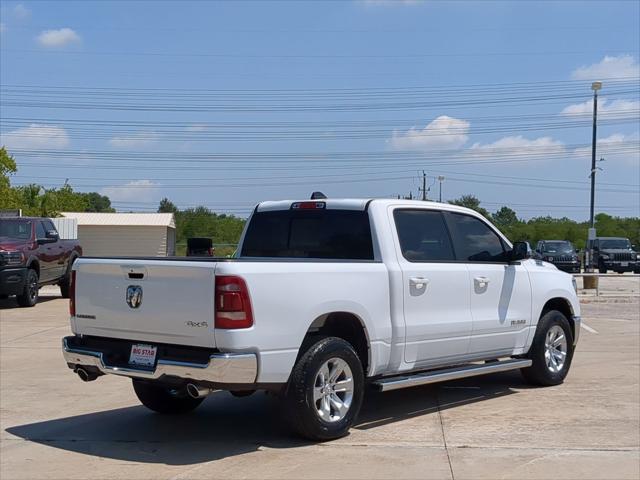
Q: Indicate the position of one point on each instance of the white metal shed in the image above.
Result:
(126, 234)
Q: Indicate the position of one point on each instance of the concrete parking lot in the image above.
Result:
(54, 426)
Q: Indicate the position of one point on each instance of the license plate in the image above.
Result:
(143, 355)
(624, 264)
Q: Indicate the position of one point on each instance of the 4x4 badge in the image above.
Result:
(134, 296)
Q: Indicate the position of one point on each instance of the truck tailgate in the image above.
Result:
(161, 301)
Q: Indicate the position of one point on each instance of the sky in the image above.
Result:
(228, 103)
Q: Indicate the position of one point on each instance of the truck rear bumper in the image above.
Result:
(231, 368)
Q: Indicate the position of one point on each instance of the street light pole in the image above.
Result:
(595, 86)
(440, 179)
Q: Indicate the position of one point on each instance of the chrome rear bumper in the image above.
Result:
(222, 367)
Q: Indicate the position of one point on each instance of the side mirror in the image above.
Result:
(520, 251)
(51, 236)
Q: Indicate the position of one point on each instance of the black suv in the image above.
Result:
(614, 253)
(561, 253)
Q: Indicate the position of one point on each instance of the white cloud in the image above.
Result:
(622, 66)
(138, 190)
(617, 108)
(36, 136)
(520, 146)
(443, 133)
(615, 148)
(22, 12)
(58, 38)
(135, 140)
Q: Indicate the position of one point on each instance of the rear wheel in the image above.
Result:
(325, 390)
(164, 399)
(29, 295)
(551, 351)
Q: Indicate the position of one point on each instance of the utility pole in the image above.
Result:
(595, 86)
(424, 186)
(440, 179)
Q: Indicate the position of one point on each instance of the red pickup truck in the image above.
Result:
(32, 255)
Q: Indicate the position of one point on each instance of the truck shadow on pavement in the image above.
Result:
(224, 426)
(7, 303)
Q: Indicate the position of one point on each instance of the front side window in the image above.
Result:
(423, 236)
(40, 230)
(474, 240)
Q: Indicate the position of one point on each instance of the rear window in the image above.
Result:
(323, 234)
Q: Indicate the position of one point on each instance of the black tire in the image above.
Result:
(301, 409)
(602, 268)
(29, 295)
(540, 373)
(65, 283)
(162, 399)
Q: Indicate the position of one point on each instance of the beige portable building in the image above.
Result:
(126, 234)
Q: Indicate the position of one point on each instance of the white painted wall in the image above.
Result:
(67, 227)
(107, 240)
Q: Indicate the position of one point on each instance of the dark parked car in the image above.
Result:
(561, 253)
(199, 247)
(33, 255)
(615, 253)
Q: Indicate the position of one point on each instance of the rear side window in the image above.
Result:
(474, 240)
(323, 234)
(423, 236)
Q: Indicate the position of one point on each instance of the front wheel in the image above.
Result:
(551, 351)
(163, 399)
(29, 295)
(602, 268)
(325, 390)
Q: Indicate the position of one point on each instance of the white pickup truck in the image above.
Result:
(325, 296)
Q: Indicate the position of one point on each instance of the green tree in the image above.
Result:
(9, 198)
(167, 206)
(470, 201)
(505, 217)
(97, 203)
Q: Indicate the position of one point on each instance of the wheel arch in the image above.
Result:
(34, 264)
(565, 307)
(342, 324)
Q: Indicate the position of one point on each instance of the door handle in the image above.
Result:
(482, 280)
(418, 282)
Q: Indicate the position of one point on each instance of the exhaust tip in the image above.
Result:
(85, 376)
(195, 391)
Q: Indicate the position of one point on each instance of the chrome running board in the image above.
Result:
(442, 375)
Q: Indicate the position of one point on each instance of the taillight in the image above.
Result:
(72, 294)
(233, 305)
(308, 205)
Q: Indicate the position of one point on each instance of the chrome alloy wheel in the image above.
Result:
(555, 349)
(32, 287)
(333, 390)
